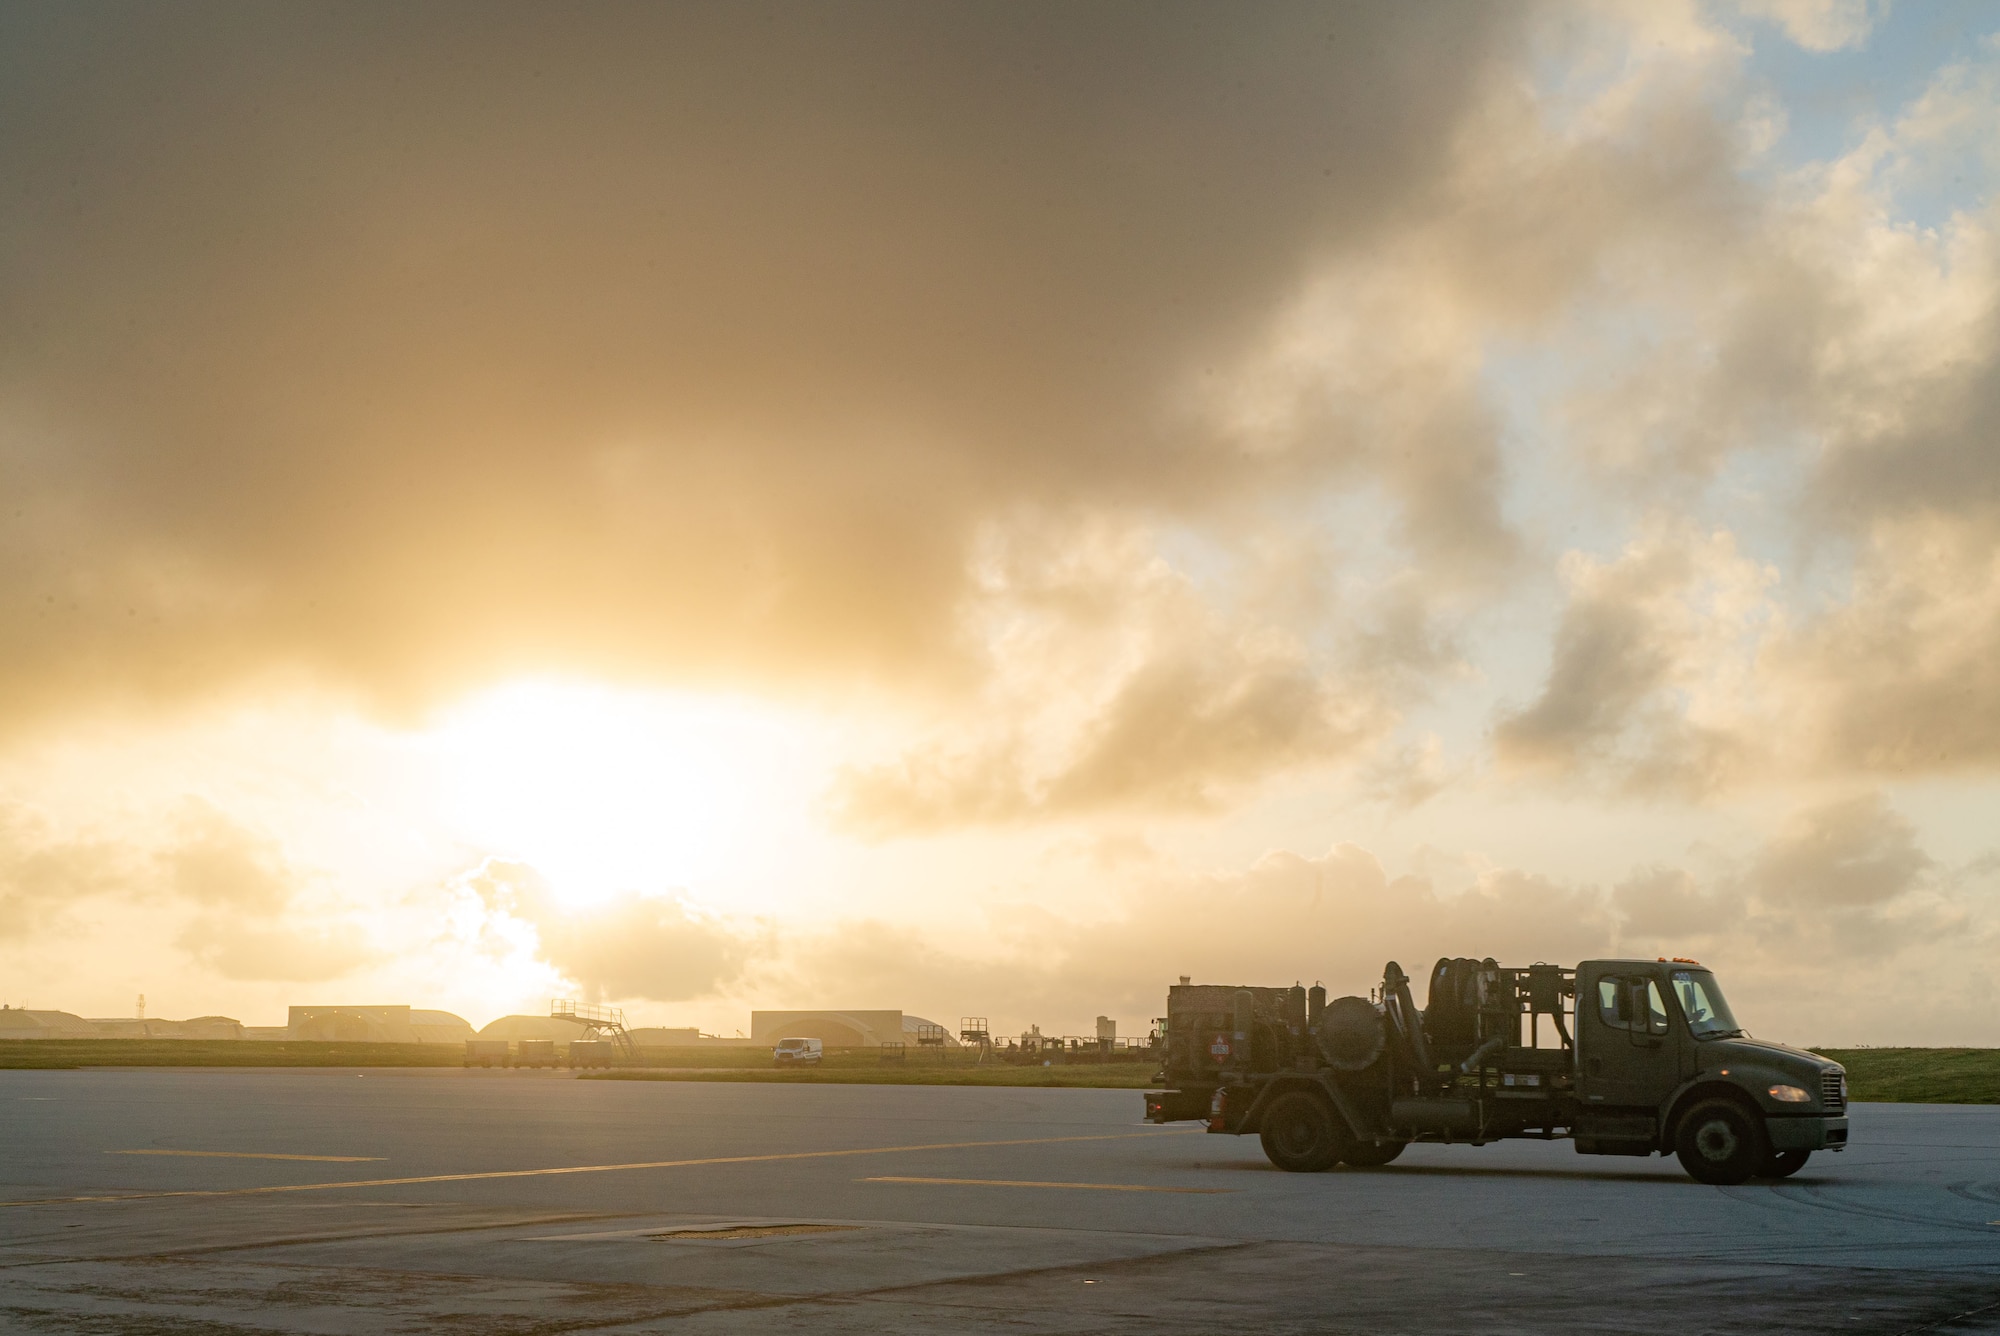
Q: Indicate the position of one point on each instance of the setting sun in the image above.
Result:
(604, 790)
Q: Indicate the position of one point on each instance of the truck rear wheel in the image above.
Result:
(1721, 1143)
(1302, 1133)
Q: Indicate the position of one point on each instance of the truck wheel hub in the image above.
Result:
(1716, 1140)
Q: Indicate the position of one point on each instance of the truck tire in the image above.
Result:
(1721, 1143)
(1372, 1154)
(1302, 1133)
(1783, 1163)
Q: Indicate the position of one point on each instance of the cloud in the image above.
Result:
(1855, 853)
(407, 355)
(1651, 658)
(644, 947)
(1820, 25)
(631, 946)
(216, 863)
(252, 950)
(754, 394)
(225, 895)
(203, 859)
(1177, 733)
(1115, 681)
(1843, 881)
(1854, 356)
(1898, 680)
(1670, 904)
(43, 874)
(1410, 776)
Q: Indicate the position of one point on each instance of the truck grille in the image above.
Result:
(1833, 1090)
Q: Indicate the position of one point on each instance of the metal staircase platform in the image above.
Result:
(609, 1021)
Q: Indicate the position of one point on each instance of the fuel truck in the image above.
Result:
(1620, 1057)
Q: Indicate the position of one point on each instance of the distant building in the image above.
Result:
(376, 1025)
(16, 1023)
(847, 1029)
(535, 1027)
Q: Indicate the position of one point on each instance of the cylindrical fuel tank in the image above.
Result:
(1350, 1034)
(1435, 1115)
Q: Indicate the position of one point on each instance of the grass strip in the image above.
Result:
(1920, 1075)
(73, 1053)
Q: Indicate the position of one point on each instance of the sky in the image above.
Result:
(988, 509)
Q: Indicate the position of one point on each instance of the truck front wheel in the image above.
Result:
(1721, 1143)
(1302, 1134)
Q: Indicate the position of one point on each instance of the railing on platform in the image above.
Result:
(609, 1020)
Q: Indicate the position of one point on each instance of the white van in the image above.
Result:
(799, 1050)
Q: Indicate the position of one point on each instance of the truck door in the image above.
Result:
(1624, 1040)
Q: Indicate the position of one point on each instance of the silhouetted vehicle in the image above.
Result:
(486, 1052)
(592, 1052)
(1655, 1063)
(796, 1051)
(535, 1053)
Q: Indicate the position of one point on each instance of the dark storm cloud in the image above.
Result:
(410, 347)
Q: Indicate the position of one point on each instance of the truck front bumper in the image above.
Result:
(1806, 1133)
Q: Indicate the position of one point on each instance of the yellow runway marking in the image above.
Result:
(1025, 1183)
(576, 1169)
(251, 1155)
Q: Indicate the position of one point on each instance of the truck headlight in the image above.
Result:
(1789, 1094)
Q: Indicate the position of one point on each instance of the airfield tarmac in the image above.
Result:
(229, 1200)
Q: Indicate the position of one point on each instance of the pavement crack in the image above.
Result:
(1096, 1268)
(302, 1240)
(1942, 1323)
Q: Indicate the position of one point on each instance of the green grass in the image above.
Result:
(72, 1053)
(1920, 1075)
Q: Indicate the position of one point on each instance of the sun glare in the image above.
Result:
(603, 790)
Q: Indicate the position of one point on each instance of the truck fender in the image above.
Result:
(1254, 1116)
(1695, 1091)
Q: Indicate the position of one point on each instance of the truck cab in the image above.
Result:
(1656, 1040)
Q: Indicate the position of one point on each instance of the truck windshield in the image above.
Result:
(1707, 1011)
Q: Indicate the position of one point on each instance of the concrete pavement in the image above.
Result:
(418, 1200)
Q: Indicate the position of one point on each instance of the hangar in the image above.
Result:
(851, 1028)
